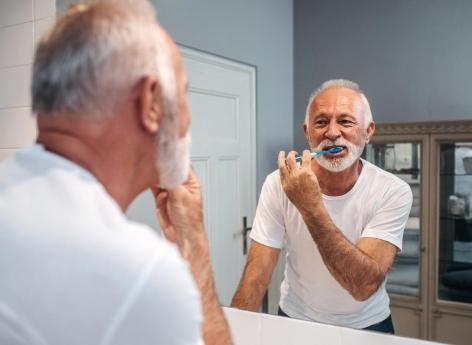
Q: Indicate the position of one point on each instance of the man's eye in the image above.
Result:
(320, 123)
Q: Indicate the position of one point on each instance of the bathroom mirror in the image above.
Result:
(408, 56)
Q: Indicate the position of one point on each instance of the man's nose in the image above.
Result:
(333, 132)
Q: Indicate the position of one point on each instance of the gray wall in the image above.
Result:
(258, 33)
(412, 58)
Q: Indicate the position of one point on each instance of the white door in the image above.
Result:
(222, 102)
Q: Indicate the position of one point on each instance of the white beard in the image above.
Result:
(338, 164)
(173, 158)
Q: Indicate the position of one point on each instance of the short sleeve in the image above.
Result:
(269, 225)
(391, 215)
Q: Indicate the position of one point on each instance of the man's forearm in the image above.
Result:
(249, 294)
(353, 269)
(195, 251)
(256, 277)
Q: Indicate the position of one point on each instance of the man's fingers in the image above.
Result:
(282, 165)
(192, 178)
(191, 187)
(161, 208)
(156, 190)
(163, 219)
(170, 234)
(161, 199)
(306, 159)
(291, 163)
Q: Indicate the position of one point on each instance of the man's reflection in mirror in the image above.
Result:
(340, 217)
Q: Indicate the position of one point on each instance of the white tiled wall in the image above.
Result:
(22, 22)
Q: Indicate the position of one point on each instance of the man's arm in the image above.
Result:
(180, 215)
(359, 268)
(256, 277)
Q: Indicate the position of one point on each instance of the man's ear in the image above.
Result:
(370, 132)
(149, 104)
(305, 131)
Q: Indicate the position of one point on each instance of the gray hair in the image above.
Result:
(344, 84)
(96, 53)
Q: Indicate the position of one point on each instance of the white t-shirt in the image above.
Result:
(75, 270)
(377, 206)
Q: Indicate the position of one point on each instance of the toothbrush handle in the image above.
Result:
(298, 158)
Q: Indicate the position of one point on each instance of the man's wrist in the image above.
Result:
(317, 220)
(193, 242)
(312, 209)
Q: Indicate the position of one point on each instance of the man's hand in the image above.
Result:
(179, 211)
(299, 183)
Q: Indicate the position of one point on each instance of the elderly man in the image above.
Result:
(109, 91)
(342, 220)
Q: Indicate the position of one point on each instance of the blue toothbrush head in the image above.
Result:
(336, 149)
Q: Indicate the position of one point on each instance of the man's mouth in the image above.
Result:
(342, 147)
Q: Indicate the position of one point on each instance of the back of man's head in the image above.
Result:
(95, 54)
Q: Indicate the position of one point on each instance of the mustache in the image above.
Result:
(337, 142)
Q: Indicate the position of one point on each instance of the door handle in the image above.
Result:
(246, 229)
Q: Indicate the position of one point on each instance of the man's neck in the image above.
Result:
(109, 167)
(337, 183)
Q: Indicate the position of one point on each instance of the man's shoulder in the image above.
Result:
(138, 234)
(274, 176)
(141, 245)
(128, 241)
(381, 178)
(33, 169)
(272, 183)
(57, 192)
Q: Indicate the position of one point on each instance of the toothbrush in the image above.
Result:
(314, 154)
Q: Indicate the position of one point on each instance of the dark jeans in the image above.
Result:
(385, 326)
